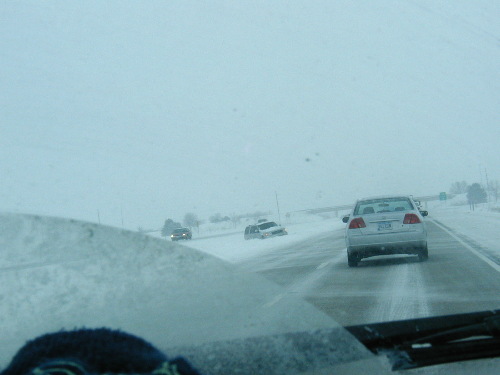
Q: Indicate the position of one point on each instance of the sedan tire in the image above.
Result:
(423, 255)
(352, 260)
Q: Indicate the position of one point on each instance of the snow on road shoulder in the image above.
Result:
(234, 248)
(479, 225)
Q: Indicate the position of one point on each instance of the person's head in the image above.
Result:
(93, 351)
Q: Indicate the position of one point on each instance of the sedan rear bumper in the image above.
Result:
(389, 243)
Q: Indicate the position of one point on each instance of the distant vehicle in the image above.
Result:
(181, 234)
(418, 204)
(264, 230)
(385, 225)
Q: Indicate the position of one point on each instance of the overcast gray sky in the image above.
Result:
(159, 108)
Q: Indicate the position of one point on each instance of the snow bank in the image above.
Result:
(57, 273)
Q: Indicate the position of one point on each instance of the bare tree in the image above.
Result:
(235, 219)
(476, 194)
(494, 187)
(459, 187)
(217, 218)
(190, 220)
(168, 227)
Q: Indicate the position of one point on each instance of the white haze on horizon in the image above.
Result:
(147, 111)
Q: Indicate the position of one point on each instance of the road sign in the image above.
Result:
(442, 196)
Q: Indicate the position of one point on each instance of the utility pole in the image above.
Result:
(487, 187)
(277, 205)
(98, 217)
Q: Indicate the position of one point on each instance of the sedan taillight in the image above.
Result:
(411, 219)
(357, 223)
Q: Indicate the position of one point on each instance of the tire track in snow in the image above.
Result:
(303, 287)
(403, 294)
(304, 252)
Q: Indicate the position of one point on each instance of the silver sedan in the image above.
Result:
(385, 225)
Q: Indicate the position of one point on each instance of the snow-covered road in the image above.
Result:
(462, 274)
(479, 226)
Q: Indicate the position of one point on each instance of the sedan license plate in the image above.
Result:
(384, 226)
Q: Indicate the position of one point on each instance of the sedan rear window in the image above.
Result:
(383, 205)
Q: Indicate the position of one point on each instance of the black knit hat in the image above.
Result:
(93, 352)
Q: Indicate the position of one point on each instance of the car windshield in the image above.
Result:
(383, 205)
(125, 124)
(182, 230)
(268, 225)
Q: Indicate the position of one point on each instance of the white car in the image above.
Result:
(385, 225)
(264, 230)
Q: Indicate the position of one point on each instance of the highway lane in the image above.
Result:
(454, 279)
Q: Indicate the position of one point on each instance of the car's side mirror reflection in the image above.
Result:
(345, 219)
(424, 213)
